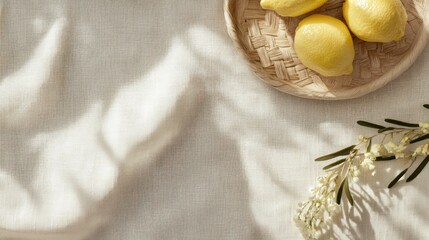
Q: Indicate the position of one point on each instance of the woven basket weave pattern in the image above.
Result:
(266, 40)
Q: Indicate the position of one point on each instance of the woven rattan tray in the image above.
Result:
(266, 41)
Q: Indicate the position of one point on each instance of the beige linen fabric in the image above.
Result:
(137, 120)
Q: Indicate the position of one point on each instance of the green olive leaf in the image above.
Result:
(386, 129)
(340, 192)
(342, 152)
(368, 148)
(348, 193)
(334, 164)
(401, 123)
(394, 181)
(424, 137)
(418, 169)
(370, 125)
(385, 158)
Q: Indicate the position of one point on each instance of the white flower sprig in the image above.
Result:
(314, 217)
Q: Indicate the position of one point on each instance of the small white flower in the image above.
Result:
(362, 138)
(311, 216)
(317, 234)
(333, 209)
(370, 156)
(405, 140)
(418, 151)
(425, 150)
(421, 150)
(390, 147)
(368, 161)
(296, 218)
(424, 126)
(378, 149)
(301, 225)
(398, 150)
(354, 173)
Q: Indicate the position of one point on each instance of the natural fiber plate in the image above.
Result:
(266, 41)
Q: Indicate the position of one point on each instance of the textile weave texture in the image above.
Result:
(138, 120)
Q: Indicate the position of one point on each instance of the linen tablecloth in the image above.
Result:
(138, 120)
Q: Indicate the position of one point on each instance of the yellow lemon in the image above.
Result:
(376, 20)
(324, 44)
(291, 8)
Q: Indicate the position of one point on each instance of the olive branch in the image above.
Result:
(315, 216)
